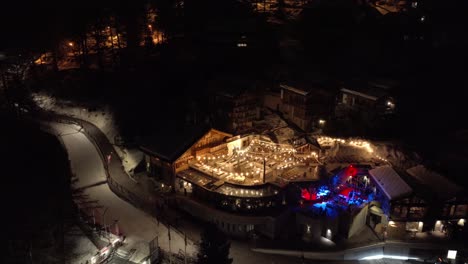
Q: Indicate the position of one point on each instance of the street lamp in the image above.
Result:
(321, 122)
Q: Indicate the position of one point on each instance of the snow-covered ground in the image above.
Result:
(274, 120)
(82, 248)
(284, 134)
(138, 227)
(102, 118)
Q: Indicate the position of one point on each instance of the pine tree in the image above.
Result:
(214, 246)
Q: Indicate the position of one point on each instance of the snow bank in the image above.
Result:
(103, 118)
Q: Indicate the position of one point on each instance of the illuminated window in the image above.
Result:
(452, 254)
(345, 99)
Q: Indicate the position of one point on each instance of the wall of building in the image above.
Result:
(358, 222)
(311, 228)
(300, 107)
(272, 101)
(212, 140)
(231, 224)
(239, 143)
(159, 169)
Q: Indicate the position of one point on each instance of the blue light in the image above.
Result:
(321, 205)
(322, 191)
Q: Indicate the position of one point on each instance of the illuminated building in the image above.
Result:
(418, 199)
(250, 183)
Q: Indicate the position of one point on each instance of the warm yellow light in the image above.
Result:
(70, 44)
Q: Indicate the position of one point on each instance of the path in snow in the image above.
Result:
(139, 227)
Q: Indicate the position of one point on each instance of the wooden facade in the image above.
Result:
(305, 107)
(207, 143)
(165, 170)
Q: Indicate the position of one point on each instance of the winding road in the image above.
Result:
(139, 227)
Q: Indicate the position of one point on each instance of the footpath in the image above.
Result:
(134, 192)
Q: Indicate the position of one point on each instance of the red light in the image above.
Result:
(351, 171)
(306, 195)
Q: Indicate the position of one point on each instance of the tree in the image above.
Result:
(214, 246)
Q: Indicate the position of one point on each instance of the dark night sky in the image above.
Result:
(23, 24)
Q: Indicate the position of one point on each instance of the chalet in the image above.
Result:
(237, 108)
(305, 105)
(420, 198)
(365, 101)
(168, 153)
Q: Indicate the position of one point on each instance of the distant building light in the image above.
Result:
(461, 222)
(414, 4)
(321, 121)
(422, 19)
(70, 44)
(241, 45)
(390, 104)
(452, 254)
(329, 234)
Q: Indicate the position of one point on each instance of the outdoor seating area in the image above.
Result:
(259, 162)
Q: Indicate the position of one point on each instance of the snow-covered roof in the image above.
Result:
(361, 94)
(294, 89)
(434, 181)
(390, 182)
